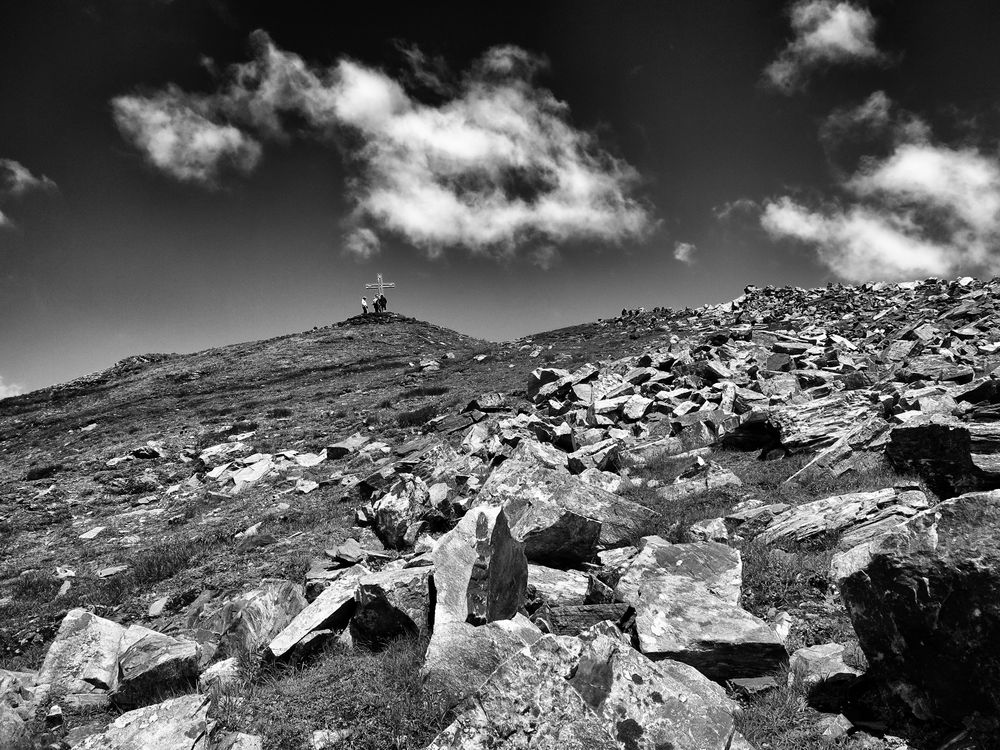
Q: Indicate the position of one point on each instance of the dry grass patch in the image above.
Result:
(376, 699)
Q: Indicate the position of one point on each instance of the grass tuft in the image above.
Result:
(376, 699)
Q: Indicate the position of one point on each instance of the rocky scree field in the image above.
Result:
(769, 523)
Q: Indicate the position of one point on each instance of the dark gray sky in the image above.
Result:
(181, 175)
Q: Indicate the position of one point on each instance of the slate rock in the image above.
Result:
(460, 656)
(331, 610)
(561, 519)
(828, 519)
(176, 724)
(83, 658)
(652, 705)
(528, 703)
(556, 587)
(480, 571)
(151, 662)
(391, 604)
(926, 612)
(256, 617)
(13, 732)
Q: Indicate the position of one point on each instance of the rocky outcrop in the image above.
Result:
(925, 609)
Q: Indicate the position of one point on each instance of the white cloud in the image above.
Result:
(363, 243)
(5, 222)
(826, 33)
(684, 252)
(738, 208)
(6, 391)
(180, 140)
(16, 180)
(922, 209)
(495, 167)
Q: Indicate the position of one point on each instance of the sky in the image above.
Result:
(179, 175)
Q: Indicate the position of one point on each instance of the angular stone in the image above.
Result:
(933, 367)
(717, 566)
(821, 663)
(406, 502)
(573, 619)
(685, 598)
(176, 724)
(83, 658)
(391, 604)
(528, 703)
(556, 587)
(560, 519)
(858, 514)
(151, 662)
(460, 657)
(13, 732)
(704, 476)
(330, 610)
(926, 610)
(480, 571)
(653, 705)
(953, 456)
(256, 617)
(541, 377)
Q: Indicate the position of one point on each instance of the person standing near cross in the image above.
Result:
(378, 300)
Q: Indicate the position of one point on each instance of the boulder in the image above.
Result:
(460, 657)
(176, 724)
(406, 502)
(152, 662)
(652, 705)
(82, 660)
(561, 519)
(391, 604)
(480, 571)
(253, 619)
(13, 732)
(823, 668)
(330, 610)
(528, 703)
(953, 456)
(926, 611)
(685, 599)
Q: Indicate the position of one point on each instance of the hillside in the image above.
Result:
(771, 438)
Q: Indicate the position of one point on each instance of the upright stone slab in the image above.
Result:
(480, 571)
(254, 618)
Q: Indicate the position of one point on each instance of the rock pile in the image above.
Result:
(553, 617)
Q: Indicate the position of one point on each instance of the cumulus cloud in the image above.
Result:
(495, 166)
(684, 252)
(16, 180)
(825, 33)
(6, 391)
(177, 138)
(923, 208)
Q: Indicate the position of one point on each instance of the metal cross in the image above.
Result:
(380, 285)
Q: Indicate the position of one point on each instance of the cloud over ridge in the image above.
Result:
(495, 165)
(923, 208)
(826, 32)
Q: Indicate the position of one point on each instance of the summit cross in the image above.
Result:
(380, 285)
